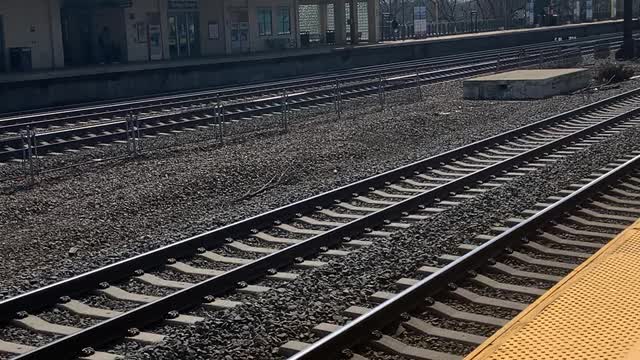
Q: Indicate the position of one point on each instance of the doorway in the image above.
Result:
(77, 31)
(239, 30)
(93, 33)
(184, 34)
(3, 59)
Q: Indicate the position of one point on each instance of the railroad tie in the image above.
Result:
(19, 349)
(116, 293)
(40, 325)
(79, 308)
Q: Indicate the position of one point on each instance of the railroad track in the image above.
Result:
(168, 283)
(445, 312)
(105, 124)
(72, 114)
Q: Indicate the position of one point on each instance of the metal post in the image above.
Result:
(219, 119)
(521, 55)
(559, 56)
(627, 39)
(580, 56)
(404, 24)
(133, 135)
(216, 120)
(437, 18)
(138, 135)
(353, 21)
(29, 154)
(541, 59)
(127, 120)
(285, 110)
(419, 86)
(505, 13)
(338, 99)
(381, 91)
(498, 62)
(222, 122)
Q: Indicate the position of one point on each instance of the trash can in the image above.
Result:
(20, 59)
(304, 39)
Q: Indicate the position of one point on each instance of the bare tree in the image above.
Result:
(447, 9)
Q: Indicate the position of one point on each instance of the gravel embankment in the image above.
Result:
(256, 329)
(119, 209)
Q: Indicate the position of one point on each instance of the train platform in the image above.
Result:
(42, 89)
(593, 313)
(291, 53)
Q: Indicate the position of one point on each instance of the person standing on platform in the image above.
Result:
(106, 46)
(394, 29)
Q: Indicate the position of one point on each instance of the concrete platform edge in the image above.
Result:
(498, 338)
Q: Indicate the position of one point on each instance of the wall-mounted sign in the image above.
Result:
(155, 42)
(141, 32)
(183, 4)
(214, 31)
(420, 19)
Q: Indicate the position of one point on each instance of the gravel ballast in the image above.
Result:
(83, 218)
(256, 329)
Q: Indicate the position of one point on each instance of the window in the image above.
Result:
(264, 21)
(283, 24)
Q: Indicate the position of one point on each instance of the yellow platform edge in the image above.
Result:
(489, 347)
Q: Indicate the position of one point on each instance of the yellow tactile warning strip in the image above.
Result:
(593, 313)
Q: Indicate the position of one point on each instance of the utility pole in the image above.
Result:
(627, 39)
(404, 24)
(435, 3)
(504, 3)
(353, 21)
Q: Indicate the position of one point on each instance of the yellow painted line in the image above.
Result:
(593, 313)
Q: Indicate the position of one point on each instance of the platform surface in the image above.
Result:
(522, 75)
(593, 313)
(526, 84)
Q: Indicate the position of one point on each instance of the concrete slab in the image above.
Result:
(526, 84)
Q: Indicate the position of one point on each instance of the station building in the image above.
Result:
(48, 34)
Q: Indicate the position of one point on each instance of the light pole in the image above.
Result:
(474, 21)
(435, 2)
(504, 3)
(627, 39)
(404, 24)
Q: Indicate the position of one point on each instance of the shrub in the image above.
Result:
(602, 52)
(613, 73)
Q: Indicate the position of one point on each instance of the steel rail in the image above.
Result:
(360, 330)
(111, 130)
(17, 127)
(117, 327)
(253, 107)
(35, 300)
(282, 84)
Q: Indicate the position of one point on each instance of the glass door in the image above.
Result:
(184, 35)
(193, 34)
(239, 30)
(183, 41)
(173, 37)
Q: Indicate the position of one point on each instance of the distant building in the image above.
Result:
(45, 34)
